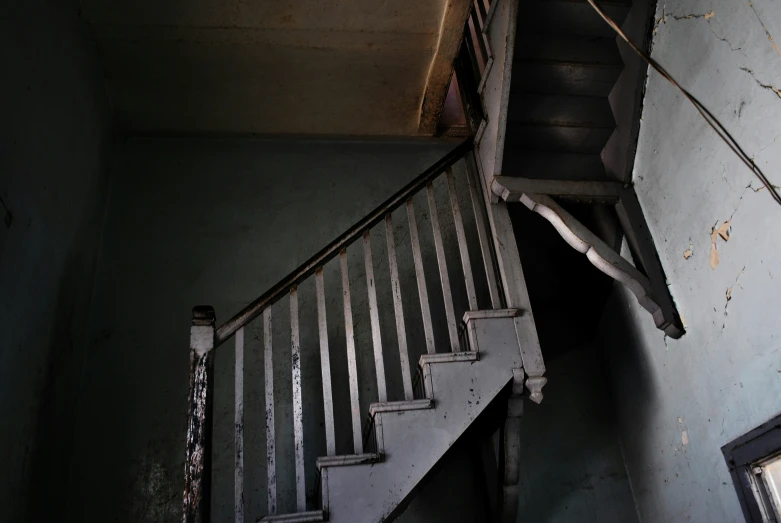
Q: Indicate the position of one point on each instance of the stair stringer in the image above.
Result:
(413, 441)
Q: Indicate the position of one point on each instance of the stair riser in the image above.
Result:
(569, 49)
(565, 78)
(563, 139)
(568, 111)
(552, 166)
(573, 18)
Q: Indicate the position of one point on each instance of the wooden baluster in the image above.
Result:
(352, 366)
(425, 310)
(198, 450)
(479, 6)
(483, 232)
(325, 366)
(271, 454)
(466, 264)
(455, 344)
(401, 331)
(379, 363)
(238, 423)
(298, 408)
(477, 37)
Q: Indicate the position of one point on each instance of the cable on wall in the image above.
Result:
(717, 126)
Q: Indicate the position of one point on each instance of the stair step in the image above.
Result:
(566, 64)
(401, 406)
(577, 79)
(348, 460)
(449, 357)
(552, 165)
(558, 138)
(575, 17)
(569, 49)
(555, 109)
(313, 516)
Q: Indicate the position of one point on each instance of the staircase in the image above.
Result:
(468, 357)
(457, 301)
(559, 121)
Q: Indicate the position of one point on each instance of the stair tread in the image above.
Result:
(449, 357)
(400, 406)
(559, 138)
(625, 3)
(575, 17)
(575, 79)
(312, 516)
(346, 460)
(561, 110)
(553, 165)
(576, 49)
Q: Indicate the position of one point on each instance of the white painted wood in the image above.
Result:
(398, 310)
(271, 453)
(439, 247)
(348, 461)
(500, 30)
(238, 476)
(313, 516)
(483, 234)
(352, 365)
(463, 249)
(425, 310)
(580, 238)
(513, 281)
(298, 406)
(325, 366)
(374, 316)
(515, 290)
(400, 406)
(489, 17)
(448, 357)
(641, 244)
(510, 188)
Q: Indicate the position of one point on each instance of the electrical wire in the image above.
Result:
(717, 126)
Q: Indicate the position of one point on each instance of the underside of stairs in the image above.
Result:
(560, 127)
(566, 62)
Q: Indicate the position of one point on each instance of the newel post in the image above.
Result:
(197, 462)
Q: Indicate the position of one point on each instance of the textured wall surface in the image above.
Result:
(680, 401)
(571, 464)
(53, 140)
(218, 222)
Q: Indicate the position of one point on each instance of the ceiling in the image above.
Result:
(349, 67)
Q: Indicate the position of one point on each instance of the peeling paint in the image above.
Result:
(722, 231)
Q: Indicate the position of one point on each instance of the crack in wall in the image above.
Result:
(768, 87)
(706, 16)
(769, 36)
(663, 19)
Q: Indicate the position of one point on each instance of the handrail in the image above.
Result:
(253, 310)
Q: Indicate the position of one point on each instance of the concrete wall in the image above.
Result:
(680, 401)
(218, 222)
(571, 465)
(53, 140)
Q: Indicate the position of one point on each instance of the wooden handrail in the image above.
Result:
(254, 309)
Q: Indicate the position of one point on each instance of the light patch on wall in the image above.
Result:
(724, 232)
(155, 494)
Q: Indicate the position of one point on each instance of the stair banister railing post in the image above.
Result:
(197, 464)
